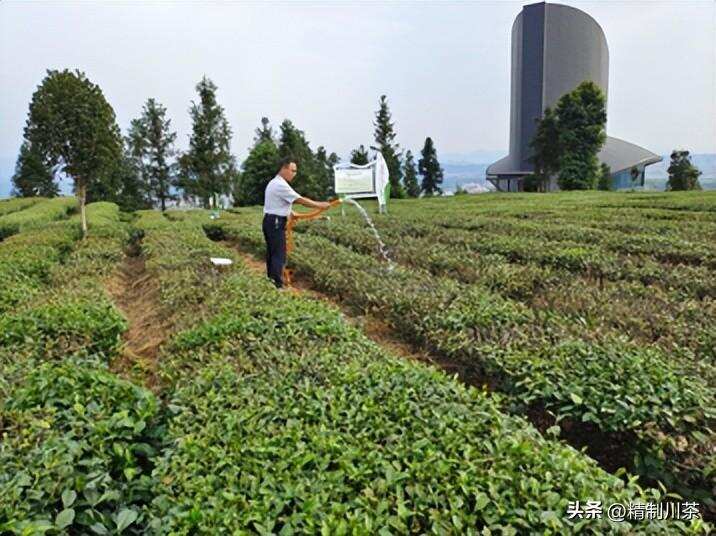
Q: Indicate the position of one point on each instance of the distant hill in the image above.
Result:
(461, 174)
(464, 168)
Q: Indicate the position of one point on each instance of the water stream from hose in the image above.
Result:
(381, 245)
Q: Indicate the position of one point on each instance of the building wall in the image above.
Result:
(623, 179)
(516, 86)
(575, 50)
(531, 77)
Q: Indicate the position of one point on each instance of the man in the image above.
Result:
(278, 199)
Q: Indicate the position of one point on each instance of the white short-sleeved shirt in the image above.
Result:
(279, 196)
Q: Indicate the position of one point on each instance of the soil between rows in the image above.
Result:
(136, 294)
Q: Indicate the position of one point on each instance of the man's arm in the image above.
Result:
(307, 202)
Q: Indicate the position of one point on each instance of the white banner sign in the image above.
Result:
(369, 180)
(354, 181)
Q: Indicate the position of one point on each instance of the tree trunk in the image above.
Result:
(82, 195)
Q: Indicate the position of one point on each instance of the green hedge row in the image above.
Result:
(573, 258)
(640, 390)
(648, 315)
(37, 215)
(286, 420)
(519, 281)
(16, 204)
(27, 259)
(183, 270)
(76, 441)
(664, 247)
(74, 450)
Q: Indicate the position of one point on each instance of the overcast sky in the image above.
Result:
(444, 66)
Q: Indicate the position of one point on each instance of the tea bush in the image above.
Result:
(36, 215)
(286, 420)
(529, 354)
(77, 441)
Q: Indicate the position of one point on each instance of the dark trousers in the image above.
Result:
(274, 228)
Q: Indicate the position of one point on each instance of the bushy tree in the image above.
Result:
(359, 156)
(151, 144)
(73, 127)
(32, 176)
(121, 184)
(683, 175)
(315, 171)
(634, 174)
(605, 178)
(429, 168)
(256, 171)
(545, 152)
(264, 132)
(311, 179)
(582, 118)
(130, 194)
(384, 142)
(568, 140)
(410, 176)
(325, 163)
(207, 170)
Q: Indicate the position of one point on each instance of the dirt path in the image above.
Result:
(136, 294)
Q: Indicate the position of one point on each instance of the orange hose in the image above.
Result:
(287, 273)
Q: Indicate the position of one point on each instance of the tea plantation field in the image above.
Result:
(144, 391)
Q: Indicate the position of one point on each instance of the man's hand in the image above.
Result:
(324, 205)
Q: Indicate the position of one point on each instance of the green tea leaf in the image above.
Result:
(68, 497)
(125, 518)
(65, 518)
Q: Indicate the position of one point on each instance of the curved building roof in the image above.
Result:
(616, 153)
(620, 155)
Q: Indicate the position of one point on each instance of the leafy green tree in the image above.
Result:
(32, 177)
(359, 156)
(410, 176)
(256, 172)
(121, 184)
(131, 193)
(582, 118)
(429, 168)
(151, 143)
(325, 163)
(384, 142)
(311, 179)
(683, 175)
(264, 132)
(545, 152)
(71, 124)
(208, 168)
(605, 178)
(105, 186)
